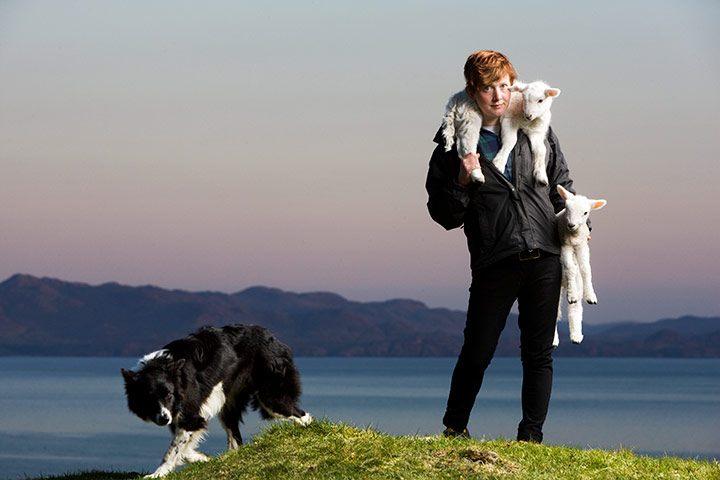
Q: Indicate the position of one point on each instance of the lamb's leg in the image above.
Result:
(575, 311)
(508, 140)
(583, 255)
(477, 176)
(537, 145)
(569, 268)
(467, 143)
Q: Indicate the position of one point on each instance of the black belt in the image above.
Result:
(529, 254)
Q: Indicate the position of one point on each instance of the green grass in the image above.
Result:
(326, 450)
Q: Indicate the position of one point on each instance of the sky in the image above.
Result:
(214, 146)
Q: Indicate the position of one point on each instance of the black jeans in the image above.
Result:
(536, 286)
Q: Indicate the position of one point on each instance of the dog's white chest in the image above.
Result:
(214, 403)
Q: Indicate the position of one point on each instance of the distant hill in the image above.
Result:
(44, 316)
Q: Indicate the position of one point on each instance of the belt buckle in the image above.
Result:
(529, 255)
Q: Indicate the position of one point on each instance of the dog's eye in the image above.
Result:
(168, 396)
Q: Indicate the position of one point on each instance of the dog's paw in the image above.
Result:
(195, 456)
(160, 472)
(305, 420)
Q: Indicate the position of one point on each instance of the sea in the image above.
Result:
(64, 415)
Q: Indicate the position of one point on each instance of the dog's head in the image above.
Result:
(152, 392)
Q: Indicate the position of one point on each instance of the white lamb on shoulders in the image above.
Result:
(462, 123)
(575, 258)
(529, 111)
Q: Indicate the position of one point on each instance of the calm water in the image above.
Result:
(61, 415)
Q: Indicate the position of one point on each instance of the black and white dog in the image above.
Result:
(215, 370)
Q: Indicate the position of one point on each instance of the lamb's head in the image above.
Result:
(578, 207)
(537, 98)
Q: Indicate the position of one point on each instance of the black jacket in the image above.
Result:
(500, 218)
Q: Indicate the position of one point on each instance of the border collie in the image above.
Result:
(215, 370)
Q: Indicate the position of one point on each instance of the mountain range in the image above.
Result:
(51, 317)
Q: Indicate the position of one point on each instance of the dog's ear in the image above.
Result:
(176, 366)
(129, 375)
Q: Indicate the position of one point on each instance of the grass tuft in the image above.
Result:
(325, 450)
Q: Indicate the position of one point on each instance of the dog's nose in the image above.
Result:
(162, 419)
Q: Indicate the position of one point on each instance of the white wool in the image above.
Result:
(529, 111)
(461, 124)
(575, 258)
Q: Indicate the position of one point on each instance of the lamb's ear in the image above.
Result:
(552, 92)
(518, 87)
(597, 204)
(564, 193)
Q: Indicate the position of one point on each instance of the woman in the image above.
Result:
(509, 222)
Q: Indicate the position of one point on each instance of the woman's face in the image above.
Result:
(493, 100)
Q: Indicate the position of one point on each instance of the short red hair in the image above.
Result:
(485, 67)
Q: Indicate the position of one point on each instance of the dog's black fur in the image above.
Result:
(173, 386)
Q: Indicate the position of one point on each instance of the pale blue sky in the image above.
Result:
(219, 145)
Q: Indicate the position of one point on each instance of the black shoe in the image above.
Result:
(529, 439)
(452, 433)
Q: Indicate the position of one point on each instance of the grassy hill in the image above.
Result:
(329, 451)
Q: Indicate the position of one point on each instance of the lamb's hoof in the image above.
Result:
(541, 179)
(591, 300)
(477, 176)
(572, 299)
(576, 339)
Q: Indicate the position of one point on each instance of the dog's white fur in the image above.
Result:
(529, 111)
(183, 448)
(462, 123)
(169, 387)
(575, 258)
